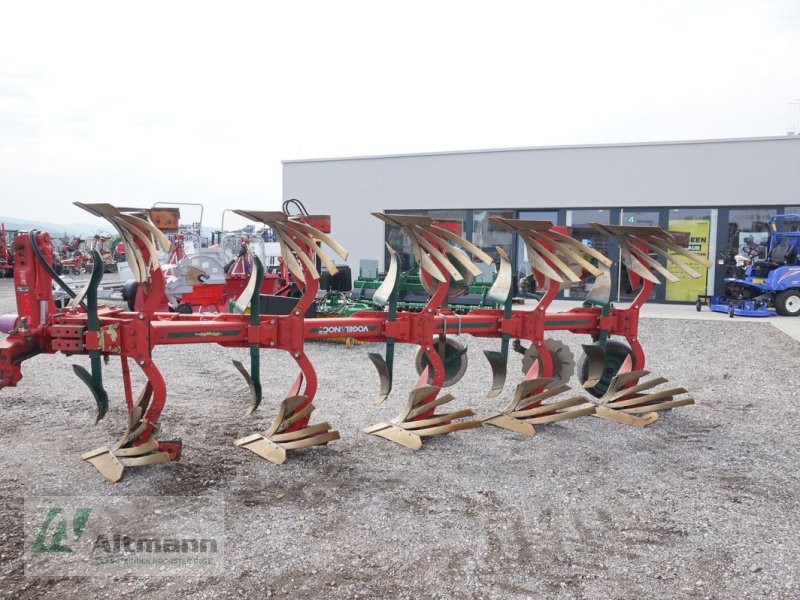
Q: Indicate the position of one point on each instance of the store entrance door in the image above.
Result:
(692, 230)
(578, 225)
(641, 218)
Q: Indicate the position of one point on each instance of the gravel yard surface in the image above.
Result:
(702, 504)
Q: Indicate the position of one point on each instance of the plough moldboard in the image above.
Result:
(613, 373)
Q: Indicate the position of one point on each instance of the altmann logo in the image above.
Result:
(54, 536)
(122, 543)
(63, 538)
(344, 329)
(59, 539)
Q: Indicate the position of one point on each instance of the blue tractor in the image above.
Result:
(769, 284)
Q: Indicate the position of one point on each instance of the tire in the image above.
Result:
(787, 303)
(616, 353)
(129, 289)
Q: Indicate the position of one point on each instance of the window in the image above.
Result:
(486, 235)
(748, 234)
(400, 243)
(580, 229)
(523, 268)
(450, 215)
(461, 215)
(692, 230)
(644, 218)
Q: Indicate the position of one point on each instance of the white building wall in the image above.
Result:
(755, 171)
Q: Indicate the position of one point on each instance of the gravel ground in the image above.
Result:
(703, 504)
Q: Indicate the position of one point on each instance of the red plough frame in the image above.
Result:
(613, 375)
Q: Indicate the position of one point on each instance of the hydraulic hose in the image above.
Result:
(297, 204)
(37, 253)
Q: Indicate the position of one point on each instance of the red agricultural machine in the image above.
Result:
(6, 256)
(77, 255)
(203, 279)
(613, 373)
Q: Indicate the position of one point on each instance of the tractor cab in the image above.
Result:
(783, 247)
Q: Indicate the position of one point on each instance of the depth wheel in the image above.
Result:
(616, 353)
(561, 355)
(454, 359)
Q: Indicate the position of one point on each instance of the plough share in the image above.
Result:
(613, 373)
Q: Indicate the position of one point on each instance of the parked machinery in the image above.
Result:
(76, 255)
(6, 253)
(612, 372)
(197, 278)
(771, 284)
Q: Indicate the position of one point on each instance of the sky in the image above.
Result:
(141, 102)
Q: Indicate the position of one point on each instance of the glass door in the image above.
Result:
(641, 218)
(487, 236)
(523, 268)
(692, 228)
(400, 244)
(460, 215)
(579, 228)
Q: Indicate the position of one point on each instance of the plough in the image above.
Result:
(612, 373)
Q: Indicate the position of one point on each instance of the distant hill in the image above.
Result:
(58, 230)
(83, 230)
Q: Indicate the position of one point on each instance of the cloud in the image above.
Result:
(154, 101)
(12, 89)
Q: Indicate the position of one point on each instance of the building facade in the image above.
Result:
(716, 195)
